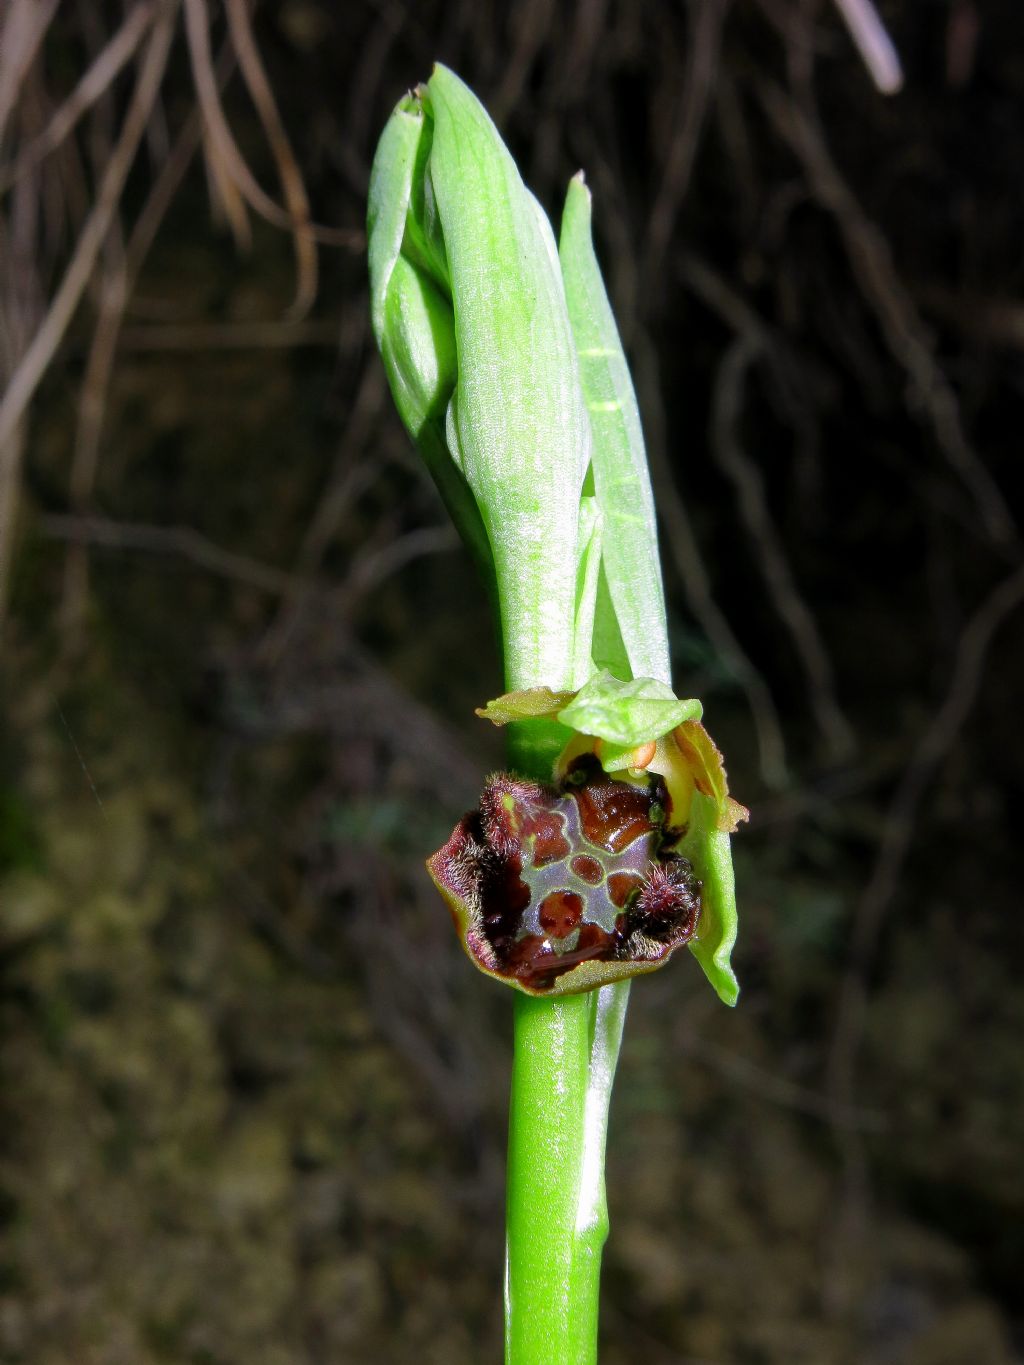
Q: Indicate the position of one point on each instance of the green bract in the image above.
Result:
(414, 323)
(454, 231)
(621, 481)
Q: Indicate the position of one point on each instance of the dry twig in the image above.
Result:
(681, 546)
(95, 83)
(34, 363)
(707, 20)
(873, 43)
(872, 264)
(296, 199)
(792, 609)
(876, 900)
(24, 28)
(349, 478)
(182, 542)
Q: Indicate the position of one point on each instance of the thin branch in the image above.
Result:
(98, 79)
(24, 27)
(708, 18)
(898, 828)
(349, 477)
(225, 160)
(777, 1089)
(793, 611)
(375, 566)
(530, 23)
(92, 406)
(872, 265)
(680, 544)
(229, 336)
(296, 199)
(34, 363)
(178, 541)
(876, 900)
(172, 172)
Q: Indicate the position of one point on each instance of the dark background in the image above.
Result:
(253, 1097)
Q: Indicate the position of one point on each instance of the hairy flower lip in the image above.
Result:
(558, 890)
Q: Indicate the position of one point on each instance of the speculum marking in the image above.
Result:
(542, 879)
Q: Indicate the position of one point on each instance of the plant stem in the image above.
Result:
(545, 1165)
(565, 1051)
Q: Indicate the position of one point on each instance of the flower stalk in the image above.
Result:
(606, 846)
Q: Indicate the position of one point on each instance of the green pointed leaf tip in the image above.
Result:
(621, 480)
(708, 851)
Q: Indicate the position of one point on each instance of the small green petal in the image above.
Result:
(530, 704)
(627, 713)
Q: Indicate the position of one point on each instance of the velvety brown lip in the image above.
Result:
(542, 879)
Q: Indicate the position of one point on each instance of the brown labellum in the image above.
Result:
(562, 889)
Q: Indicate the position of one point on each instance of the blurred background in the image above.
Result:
(253, 1097)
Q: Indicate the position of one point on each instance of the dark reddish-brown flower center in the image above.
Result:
(542, 879)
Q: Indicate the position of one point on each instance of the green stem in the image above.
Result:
(545, 1165)
(565, 1052)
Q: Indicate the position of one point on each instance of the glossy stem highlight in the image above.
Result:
(545, 1166)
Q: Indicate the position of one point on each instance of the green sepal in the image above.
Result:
(621, 713)
(707, 848)
(530, 704)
